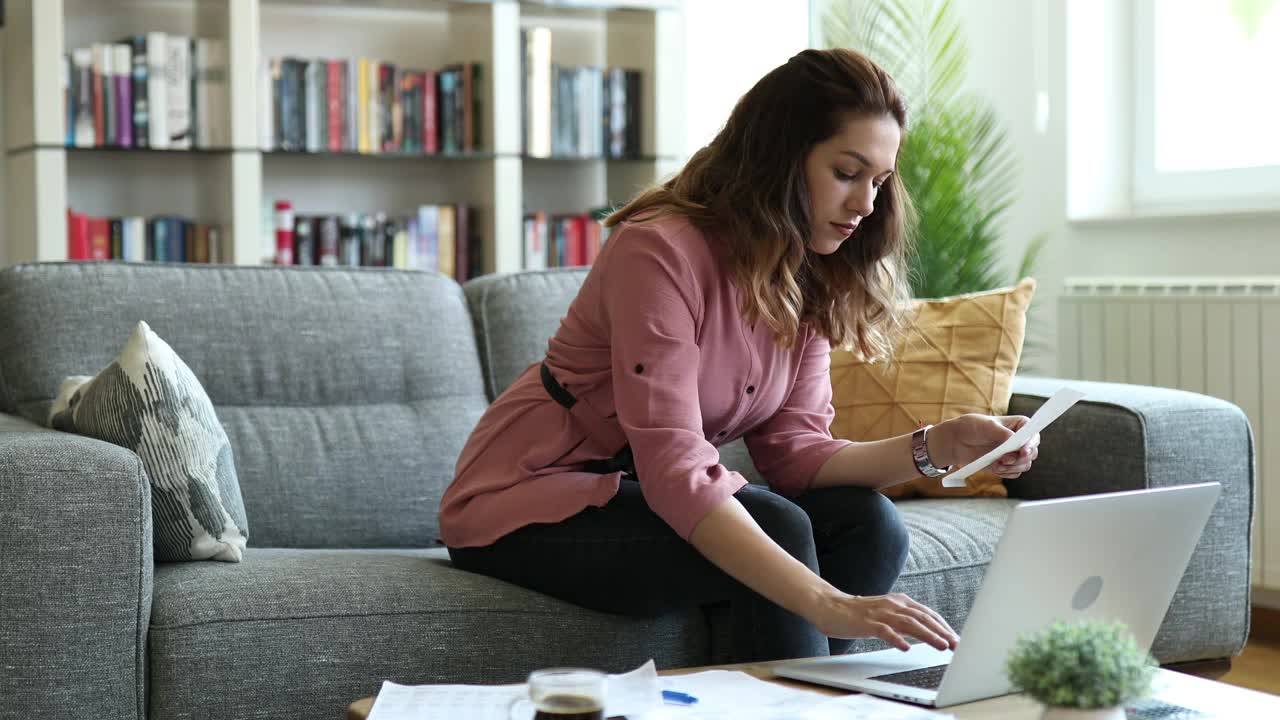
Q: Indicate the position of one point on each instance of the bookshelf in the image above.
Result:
(234, 185)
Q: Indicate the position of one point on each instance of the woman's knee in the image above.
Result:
(887, 525)
(781, 519)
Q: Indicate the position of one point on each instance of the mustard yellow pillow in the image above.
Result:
(958, 355)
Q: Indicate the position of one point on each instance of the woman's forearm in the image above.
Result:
(730, 538)
(879, 462)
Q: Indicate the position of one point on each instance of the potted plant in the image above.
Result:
(957, 163)
(1086, 670)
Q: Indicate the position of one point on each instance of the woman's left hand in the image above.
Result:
(968, 437)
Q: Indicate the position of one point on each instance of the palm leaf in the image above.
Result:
(956, 163)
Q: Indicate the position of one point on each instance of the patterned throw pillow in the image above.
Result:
(958, 355)
(150, 402)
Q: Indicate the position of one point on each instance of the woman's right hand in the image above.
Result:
(891, 618)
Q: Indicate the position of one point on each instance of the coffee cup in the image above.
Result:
(562, 694)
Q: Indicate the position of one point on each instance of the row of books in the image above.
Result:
(369, 106)
(155, 90)
(160, 238)
(570, 240)
(442, 238)
(576, 111)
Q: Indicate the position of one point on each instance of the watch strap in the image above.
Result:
(920, 453)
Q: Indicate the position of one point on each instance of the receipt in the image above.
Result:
(1052, 408)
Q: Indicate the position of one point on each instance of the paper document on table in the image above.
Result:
(732, 695)
(1048, 412)
(628, 694)
(866, 707)
(441, 702)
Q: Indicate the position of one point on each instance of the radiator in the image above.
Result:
(1216, 336)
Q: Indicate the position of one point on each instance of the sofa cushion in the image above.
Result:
(347, 394)
(148, 400)
(515, 315)
(958, 355)
(321, 628)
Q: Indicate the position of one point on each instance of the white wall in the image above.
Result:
(1018, 47)
(730, 45)
(4, 167)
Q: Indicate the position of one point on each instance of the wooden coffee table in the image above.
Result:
(1209, 696)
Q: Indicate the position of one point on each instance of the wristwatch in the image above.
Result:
(920, 453)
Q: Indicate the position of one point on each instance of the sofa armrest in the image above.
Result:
(75, 575)
(1126, 437)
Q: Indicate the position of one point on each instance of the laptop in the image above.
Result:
(1116, 556)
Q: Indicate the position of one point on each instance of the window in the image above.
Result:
(1207, 82)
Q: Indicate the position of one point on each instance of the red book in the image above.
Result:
(99, 239)
(430, 140)
(284, 232)
(78, 247)
(334, 69)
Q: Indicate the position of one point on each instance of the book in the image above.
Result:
(122, 78)
(177, 81)
(138, 90)
(157, 90)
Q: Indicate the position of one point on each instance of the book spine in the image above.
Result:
(115, 234)
(333, 104)
(362, 105)
(157, 90)
(430, 120)
(82, 59)
(328, 235)
(304, 245)
(138, 91)
(99, 239)
(110, 114)
(312, 99)
(99, 120)
(284, 232)
(122, 64)
(177, 75)
(78, 245)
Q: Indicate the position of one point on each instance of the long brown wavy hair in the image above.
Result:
(747, 189)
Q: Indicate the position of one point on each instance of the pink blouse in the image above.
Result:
(657, 352)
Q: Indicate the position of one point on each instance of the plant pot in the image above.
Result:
(1066, 713)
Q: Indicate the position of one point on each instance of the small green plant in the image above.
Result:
(1087, 665)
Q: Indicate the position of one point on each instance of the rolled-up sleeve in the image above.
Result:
(653, 306)
(791, 446)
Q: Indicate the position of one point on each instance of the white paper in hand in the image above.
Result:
(1052, 408)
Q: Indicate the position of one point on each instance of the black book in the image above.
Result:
(141, 110)
(328, 238)
(304, 245)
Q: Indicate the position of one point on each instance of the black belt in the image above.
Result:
(623, 461)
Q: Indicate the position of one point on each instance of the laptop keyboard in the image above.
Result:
(928, 678)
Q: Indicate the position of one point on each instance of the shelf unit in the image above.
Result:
(231, 185)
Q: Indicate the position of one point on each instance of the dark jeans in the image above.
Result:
(622, 558)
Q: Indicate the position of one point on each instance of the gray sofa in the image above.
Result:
(347, 395)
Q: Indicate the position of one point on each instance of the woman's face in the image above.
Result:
(844, 173)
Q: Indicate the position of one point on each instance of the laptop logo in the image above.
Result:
(1087, 594)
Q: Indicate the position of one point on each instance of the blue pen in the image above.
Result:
(678, 698)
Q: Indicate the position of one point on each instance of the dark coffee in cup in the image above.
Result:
(569, 707)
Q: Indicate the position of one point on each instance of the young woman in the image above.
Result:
(710, 315)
